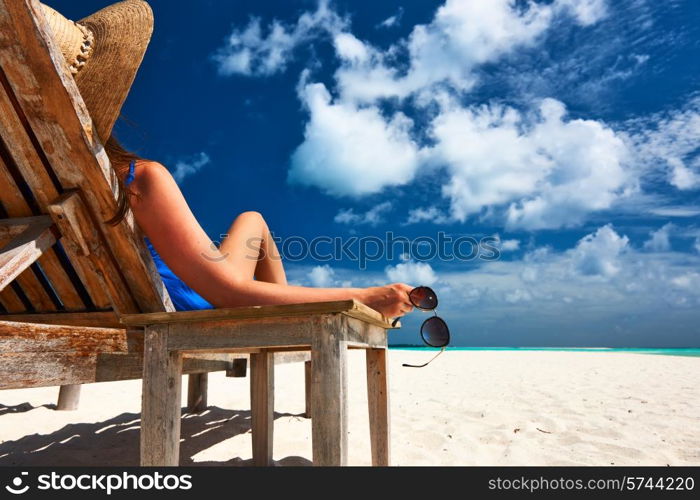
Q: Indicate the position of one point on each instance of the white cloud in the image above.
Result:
(671, 140)
(250, 52)
(349, 48)
(529, 274)
(689, 281)
(462, 35)
(325, 277)
(506, 245)
(373, 216)
(587, 12)
(518, 295)
(530, 170)
(659, 240)
(186, 168)
(392, 21)
(681, 176)
(321, 276)
(429, 214)
(676, 211)
(352, 151)
(412, 273)
(597, 254)
(510, 245)
(545, 170)
(601, 287)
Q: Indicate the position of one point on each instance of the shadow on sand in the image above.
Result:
(116, 441)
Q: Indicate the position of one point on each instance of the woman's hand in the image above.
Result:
(390, 300)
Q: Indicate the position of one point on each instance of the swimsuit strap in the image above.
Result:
(131, 175)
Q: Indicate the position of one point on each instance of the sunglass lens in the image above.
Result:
(423, 298)
(435, 332)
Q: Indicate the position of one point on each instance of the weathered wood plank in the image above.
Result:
(238, 369)
(329, 395)
(378, 399)
(160, 404)
(262, 395)
(197, 385)
(279, 332)
(16, 337)
(74, 220)
(25, 248)
(68, 397)
(35, 292)
(43, 369)
(46, 369)
(11, 302)
(363, 334)
(9, 228)
(257, 333)
(291, 355)
(71, 216)
(19, 149)
(308, 388)
(228, 357)
(49, 98)
(16, 206)
(351, 308)
(106, 319)
(208, 364)
(33, 337)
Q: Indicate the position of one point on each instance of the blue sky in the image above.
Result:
(567, 129)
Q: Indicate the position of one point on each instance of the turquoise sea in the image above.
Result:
(694, 351)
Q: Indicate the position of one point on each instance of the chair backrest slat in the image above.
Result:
(35, 292)
(18, 164)
(10, 302)
(14, 164)
(48, 147)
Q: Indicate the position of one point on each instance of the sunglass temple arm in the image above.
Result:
(424, 364)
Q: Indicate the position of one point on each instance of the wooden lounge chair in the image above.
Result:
(81, 301)
(60, 264)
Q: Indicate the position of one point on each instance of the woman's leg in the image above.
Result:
(249, 246)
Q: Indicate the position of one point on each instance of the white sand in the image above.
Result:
(467, 408)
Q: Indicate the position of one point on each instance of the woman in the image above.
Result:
(245, 270)
(103, 52)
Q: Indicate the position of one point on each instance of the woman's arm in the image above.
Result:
(163, 214)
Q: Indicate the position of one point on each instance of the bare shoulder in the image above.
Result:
(150, 169)
(151, 175)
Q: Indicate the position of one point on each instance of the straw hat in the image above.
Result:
(104, 51)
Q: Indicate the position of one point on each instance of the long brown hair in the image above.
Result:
(120, 159)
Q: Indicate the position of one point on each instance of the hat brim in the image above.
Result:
(122, 32)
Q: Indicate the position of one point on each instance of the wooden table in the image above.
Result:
(328, 329)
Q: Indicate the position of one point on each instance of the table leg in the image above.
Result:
(307, 389)
(160, 405)
(262, 394)
(197, 392)
(378, 399)
(329, 397)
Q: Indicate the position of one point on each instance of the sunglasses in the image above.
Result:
(433, 331)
